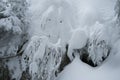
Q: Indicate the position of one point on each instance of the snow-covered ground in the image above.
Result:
(78, 70)
(65, 20)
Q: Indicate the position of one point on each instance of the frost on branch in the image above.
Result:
(98, 47)
(93, 48)
(50, 64)
(12, 35)
(42, 58)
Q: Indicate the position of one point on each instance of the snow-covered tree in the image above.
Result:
(43, 58)
(12, 27)
(60, 32)
(13, 35)
(98, 44)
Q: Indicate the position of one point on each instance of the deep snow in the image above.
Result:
(58, 19)
(78, 70)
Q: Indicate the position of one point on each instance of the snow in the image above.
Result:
(33, 68)
(73, 22)
(78, 70)
(41, 49)
(78, 40)
(14, 67)
(55, 23)
(36, 48)
(52, 13)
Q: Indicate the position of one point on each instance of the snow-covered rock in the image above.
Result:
(78, 40)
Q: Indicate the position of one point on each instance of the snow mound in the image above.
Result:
(78, 40)
(78, 70)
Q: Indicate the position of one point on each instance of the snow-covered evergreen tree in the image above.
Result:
(42, 58)
(13, 34)
(60, 32)
(11, 25)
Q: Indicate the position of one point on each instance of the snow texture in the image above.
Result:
(53, 24)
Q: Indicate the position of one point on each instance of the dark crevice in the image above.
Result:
(26, 75)
(3, 16)
(84, 56)
(85, 59)
(65, 60)
(20, 51)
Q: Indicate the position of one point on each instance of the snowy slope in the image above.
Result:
(78, 70)
(110, 69)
